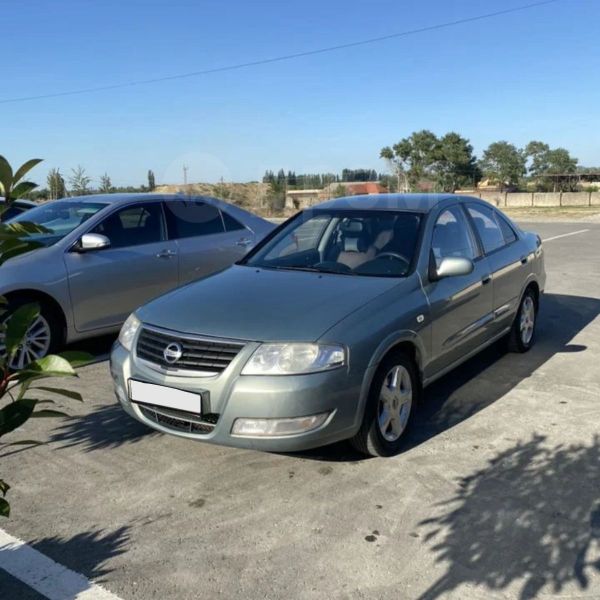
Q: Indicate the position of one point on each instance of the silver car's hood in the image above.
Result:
(263, 305)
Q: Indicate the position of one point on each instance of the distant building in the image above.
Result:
(300, 199)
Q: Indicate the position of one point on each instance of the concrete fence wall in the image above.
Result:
(537, 199)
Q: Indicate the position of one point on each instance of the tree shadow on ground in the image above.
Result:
(105, 427)
(466, 390)
(85, 553)
(530, 519)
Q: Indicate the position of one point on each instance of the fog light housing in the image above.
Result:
(277, 427)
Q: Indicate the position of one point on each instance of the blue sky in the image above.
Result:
(523, 76)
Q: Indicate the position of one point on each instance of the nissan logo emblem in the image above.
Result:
(173, 352)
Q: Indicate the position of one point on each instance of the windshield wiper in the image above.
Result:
(309, 269)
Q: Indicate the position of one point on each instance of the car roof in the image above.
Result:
(422, 203)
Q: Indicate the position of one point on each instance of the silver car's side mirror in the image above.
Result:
(92, 241)
(452, 266)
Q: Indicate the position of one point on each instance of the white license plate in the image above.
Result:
(160, 395)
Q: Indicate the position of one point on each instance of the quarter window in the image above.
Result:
(452, 236)
(487, 227)
(231, 224)
(192, 219)
(507, 231)
(133, 226)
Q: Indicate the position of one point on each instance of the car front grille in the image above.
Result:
(178, 420)
(198, 354)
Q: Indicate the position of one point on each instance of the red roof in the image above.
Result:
(368, 187)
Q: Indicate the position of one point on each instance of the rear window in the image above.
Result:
(192, 219)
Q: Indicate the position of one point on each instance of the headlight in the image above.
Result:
(128, 331)
(294, 359)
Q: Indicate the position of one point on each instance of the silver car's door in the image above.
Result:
(507, 258)
(106, 285)
(208, 240)
(461, 306)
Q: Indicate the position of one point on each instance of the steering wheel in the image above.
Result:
(395, 256)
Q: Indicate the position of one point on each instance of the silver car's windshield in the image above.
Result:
(367, 243)
(58, 218)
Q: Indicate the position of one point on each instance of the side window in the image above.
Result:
(231, 224)
(191, 219)
(452, 236)
(507, 231)
(133, 226)
(487, 227)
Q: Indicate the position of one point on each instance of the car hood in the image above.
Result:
(247, 303)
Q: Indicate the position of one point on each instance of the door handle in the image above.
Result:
(244, 242)
(166, 254)
(486, 279)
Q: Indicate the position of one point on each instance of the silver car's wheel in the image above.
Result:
(394, 393)
(35, 345)
(527, 320)
(395, 403)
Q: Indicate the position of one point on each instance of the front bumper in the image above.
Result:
(230, 396)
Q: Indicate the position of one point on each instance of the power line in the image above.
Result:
(284, 57)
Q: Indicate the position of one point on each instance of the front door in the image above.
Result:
(140, 264)
(461, 306)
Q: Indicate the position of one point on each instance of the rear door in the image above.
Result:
(140, 264)
(460, 306)
(208, 240)
(508, 261)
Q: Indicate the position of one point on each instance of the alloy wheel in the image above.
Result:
(35, 344)
(527, 320)
(395, 403)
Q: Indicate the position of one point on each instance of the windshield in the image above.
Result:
(58, 218)
(368, 243)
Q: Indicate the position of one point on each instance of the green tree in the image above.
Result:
(106, 186)
(503, 164)
(339, 191)
(79, 181)
(454, 165)
(56, 185)
(151, 180)
(12, 185)
(547, 161)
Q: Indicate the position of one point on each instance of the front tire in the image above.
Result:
(394, 392)
(522, 334)
(44, 336)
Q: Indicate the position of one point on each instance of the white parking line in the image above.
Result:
(562, 235)
(45, 576)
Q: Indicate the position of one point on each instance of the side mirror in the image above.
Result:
(92, 241)
(453, 266)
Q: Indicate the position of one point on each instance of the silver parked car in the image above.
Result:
(330, 328)
(104, 255)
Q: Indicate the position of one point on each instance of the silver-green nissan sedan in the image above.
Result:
(330, 328)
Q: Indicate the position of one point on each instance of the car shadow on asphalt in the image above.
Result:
(105, 427)
(529, 519)
(466, 390)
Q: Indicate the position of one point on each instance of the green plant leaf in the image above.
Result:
(4, 508)
(61, 392)
(16, 413)
(15, 246)
(77, 359)
(6, 177)
(46, 412)
(23, 188)
(25, 168)
(17, 326)
(49, 366)
(4, 487)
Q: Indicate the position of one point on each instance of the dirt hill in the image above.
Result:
(256, 197)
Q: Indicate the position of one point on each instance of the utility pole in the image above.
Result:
(185, 170)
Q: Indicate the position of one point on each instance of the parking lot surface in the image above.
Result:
(497, 494)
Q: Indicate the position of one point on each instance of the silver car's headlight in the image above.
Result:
(128, 331)
(294, 359)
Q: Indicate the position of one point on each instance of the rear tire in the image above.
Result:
(522, 334)
(394, 392)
